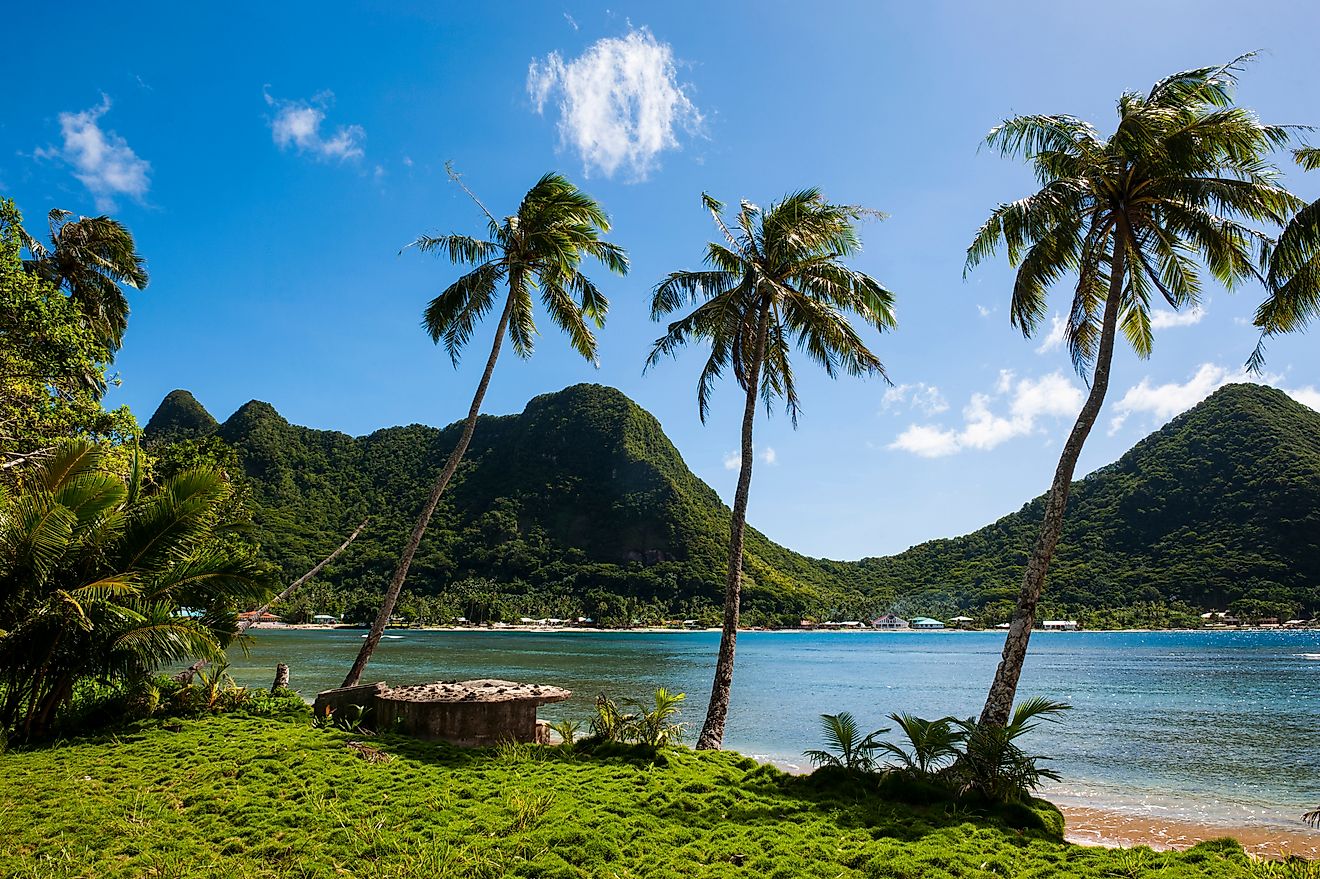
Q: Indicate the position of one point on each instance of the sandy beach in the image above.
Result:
(1094, 826)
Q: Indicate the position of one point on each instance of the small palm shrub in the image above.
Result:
(610, 723)
(567, 730)
(1312, 818)
(654, 727)
(847, 747)
(651, 725)
(932, 745)
(992, 766)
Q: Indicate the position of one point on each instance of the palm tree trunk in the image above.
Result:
(419, 529)
(712, 731)
(1003, 690)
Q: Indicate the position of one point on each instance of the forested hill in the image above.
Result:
(1219, 507)
(581, 505)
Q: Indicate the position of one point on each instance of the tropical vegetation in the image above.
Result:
(776, 280)
(1169, 531)
(104, 579)
(1183, 183)
(541, 247)
(1293, 276)
(54, 364)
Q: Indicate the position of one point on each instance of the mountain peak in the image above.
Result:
(179, 416)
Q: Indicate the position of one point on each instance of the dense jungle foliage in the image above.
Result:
(581, 506)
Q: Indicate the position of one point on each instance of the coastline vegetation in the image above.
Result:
(274, 797)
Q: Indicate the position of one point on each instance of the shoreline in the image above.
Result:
(1097, 826)
(670, 630)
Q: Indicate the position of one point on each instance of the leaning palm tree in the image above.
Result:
(540, 247)
(1137, 214)
(92, 259)
(1293, 279)
(776, 279)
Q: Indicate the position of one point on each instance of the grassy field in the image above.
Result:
(240, 796)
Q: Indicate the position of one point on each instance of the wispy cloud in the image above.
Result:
(768, 455)
(297, 124)
(620, 102)
(1162, 318)
(1016, 407)
(1163, 401)
(919, 396)
(1055, 337)
(102, 160)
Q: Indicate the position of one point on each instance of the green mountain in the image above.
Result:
(581, 505)
(179, 416)
(1219, 507)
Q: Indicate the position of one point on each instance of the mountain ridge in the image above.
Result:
(581, 501)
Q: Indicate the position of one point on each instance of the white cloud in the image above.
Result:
(297, 124)
(732, 460)
(926, 441)
(1162, 318)
(1307, 396)
(1055, 337)
(768, 455)
(102, 160)
(1014, 408)
(620, 102)
(1162, 402)
(919, 396)
(1167, 400)
(985, 312)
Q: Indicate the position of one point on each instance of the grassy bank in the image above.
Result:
(260, 797)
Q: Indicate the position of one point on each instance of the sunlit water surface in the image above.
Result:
(1219, 727)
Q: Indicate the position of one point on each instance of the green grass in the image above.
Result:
(241, 796)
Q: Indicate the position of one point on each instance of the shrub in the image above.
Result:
(992, 767)
(933, 745)
(848, 748)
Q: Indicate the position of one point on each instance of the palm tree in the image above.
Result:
(1128, 216)
(776, 279)
(94, 569)
(90, 258)
(541, 247)
(1293, 278)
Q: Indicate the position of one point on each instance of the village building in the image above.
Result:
(889, 621)
(1060, 625)
(925, 623)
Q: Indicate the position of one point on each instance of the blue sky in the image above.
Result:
(272, 164)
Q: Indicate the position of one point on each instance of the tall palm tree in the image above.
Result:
(540, 247)
(94, 569)
(1293, 278)
(92, 259)
(1130, 216)
(776, 279)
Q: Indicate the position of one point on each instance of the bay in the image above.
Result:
(1216, 727)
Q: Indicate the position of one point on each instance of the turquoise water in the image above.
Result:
(1219, 727)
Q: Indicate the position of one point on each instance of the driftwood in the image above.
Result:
(368, 753)
(187, 674)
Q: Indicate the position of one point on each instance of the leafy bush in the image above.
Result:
(933, 745)
(649, 725)
(848, 748)
(567, 731)
(992, 767)
(944, 758)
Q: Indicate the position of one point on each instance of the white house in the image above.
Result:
(925, 623)
(1060, 625)
(889, 621)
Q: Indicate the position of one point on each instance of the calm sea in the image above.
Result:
(1217, 727)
